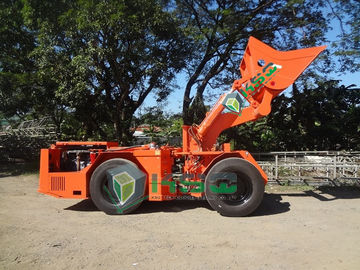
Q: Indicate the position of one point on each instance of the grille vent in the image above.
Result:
(58, 183)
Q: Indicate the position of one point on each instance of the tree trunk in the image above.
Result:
(123, 125)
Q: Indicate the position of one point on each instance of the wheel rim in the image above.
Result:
(243, 190)
(107, 193)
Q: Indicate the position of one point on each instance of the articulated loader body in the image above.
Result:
(118, 179)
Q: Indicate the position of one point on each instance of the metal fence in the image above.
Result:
(24, 140)
(311, 167)
(286, 168)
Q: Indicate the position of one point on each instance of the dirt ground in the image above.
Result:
(292, 229)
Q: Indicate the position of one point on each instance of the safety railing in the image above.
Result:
(311, 167)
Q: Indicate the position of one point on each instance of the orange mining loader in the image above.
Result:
(118, 178)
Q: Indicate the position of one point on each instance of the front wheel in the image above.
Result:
(234, 187)
(117, 186)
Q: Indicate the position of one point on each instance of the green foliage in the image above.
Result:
(93, 61)
(175, 127)
(90, 64)
(218, 32)
(113, 55)
(161, 125)
(16, 76)
(324, 118)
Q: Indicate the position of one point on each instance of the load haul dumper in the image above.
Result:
(118, 179)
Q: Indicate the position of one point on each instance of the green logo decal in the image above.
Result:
(233, 102)
(233, 105)
(257, 83)
(223, 188)
(124, 186)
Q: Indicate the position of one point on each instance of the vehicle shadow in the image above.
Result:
(148, 207)
(326, 193)
(271, 205)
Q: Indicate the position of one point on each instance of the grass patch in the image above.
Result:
(18, 168)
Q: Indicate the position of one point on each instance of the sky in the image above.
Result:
(174, 102)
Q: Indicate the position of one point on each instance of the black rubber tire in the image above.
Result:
(98, 180)
(250, 188)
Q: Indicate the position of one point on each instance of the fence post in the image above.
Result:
(276, 167)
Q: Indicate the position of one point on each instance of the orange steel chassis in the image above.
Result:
(199, 150)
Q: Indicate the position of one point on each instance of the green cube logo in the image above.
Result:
(124, 186)
(233, 105)
(233, 102)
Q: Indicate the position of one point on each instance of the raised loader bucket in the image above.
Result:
(272, 69)
(265, 73)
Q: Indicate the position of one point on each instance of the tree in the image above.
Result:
(25, 92)
(329, 117)
(90, 62)
(106, 57)
(346, 47)
(160, 124)
(16, 68)
(219, 30)
(323, 118)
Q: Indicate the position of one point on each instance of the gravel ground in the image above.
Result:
(292, 229)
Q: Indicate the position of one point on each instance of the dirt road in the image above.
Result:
(290, 230)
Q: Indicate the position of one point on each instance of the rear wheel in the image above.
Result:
(102, 190)
(234, 187)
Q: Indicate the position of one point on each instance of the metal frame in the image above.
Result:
(327, 167)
